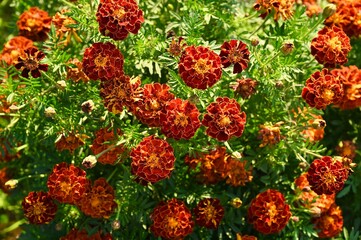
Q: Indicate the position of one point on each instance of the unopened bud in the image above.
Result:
(329, 10)
(89, 161)
(303, 165)
(236, 202)
(87, 106)
(237, 155)
(50, 112)
(295, 218)
(287, 47)
(116, 225)
(61, 84)
(319, 124)
(254, 42)
(58, 227)
(315, 212)
(11, 184)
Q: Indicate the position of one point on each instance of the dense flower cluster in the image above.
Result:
(75, 234)
(30, 63)
(34, 24)
(39, 207)
(14, 49)
(118, 18)
(200, 67)
(282, 8)
(209, 213)
(331, 47)
(235, 53)
(268, 212)
(245, 87)
(330, 223)
(171, 220)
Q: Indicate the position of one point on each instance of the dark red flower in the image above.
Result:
(152, 160)
(327, 175)
(268, 212)
(103, 61)
(224, 119)
(171, 220)
(209, 213)
(39, 207)
(331, 47)
(67, 183)
(179, 119)
(235, 53)
(118, 18)
(34, 24)
(245, 87)
(14, 49)
(30, 62)
(322, 89)
(76, 234)
(330, 223)
(200, 67)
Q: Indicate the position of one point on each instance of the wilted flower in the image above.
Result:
(235, 53)
(245, 87)
(49, 112)
(14, 49)
(238, 173)
(70, 142)
(89, 162)
(39, 207)
(176, 47)
(30, 63)
(209, 213)
(269, 134)
(76, 73)
(34, 24)
(315, 130)
(282, 8)
(62, 22)
(330, 223)
(236, 202)
(287, 47)
(347, 149)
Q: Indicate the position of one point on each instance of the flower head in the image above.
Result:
(238, 173)
(347, 149)
(330, 223)
(76, 73)
(235, 53)
(171, 220)
(61, 23)
(315, 130)
(70, 142)
(176, 47)
(245, 87)
(34, 24)
(199, 67)
(118, 18)
(282, 8)
(270, 134)
(30, 63)
(39, 207)
(268, 212)
(14, 49)
(180, 119)
(331, 47)
(103, 61)
(67, 183)
(224, 119)
(209, 213)
(152, 160)
(245, 237)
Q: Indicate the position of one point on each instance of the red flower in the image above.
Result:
(152, 160)
(67, 183)
(103, 61)
(39, 207)
(327, 175)
(331, 47)
(245, 87)
(180, 119)
(322, 89)
(268, 212)
(224, 119)
(209, 213)
(105, 139)
(330, 223)
(236, 53)
(98, 200)
(34, 24)
(200, 67)
(30, 62)
(347, 149)
(14, 49)
(171, 220)
(76, 234)
(117, 18)
(151, 104)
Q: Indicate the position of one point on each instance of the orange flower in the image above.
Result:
(30, 63)
(152, 160)
(103, 61)
(224, 119)
(98, 200)
(105, 139)
(209, 213)
(239, 173)
(62, 23)
(179, 119)
(245, 237)
(76, 73)
(76, 234)
(214, 166)
(346, 149)
(67, 183)
(282, 8)
(322, 89)
(34, 24)
(270, 135)
(312, 8)
(171, 220)
(118, 18)
(245, 87)
(316, 129)
(330, 223)
(331, 47)
(14, 49)
(200, 67)
(70, 142)
(268, 212)
(39, 207)
(176, 48)
(235, 53)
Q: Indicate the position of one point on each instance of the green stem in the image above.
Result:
(260, 26)
(112, 174)
(13, 226)
(305, 150)
(319, 21)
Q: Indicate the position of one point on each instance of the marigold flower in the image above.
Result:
(76, 73)
(118, 18)
(15, 48)
(331, 47)
(236, 202)
(67, 183)
(245, 237)
(224, 119)
(327, 175)
(87, 106)
(103, 61)
(351, 81)
(31, 63)
(200, 67)
(98, 200)
(152, 160)
(176, 47)
(61, 23)
(330, 223)
(34, 24)
(316, 129)
(154, 97)
(235, 53)
(105, 139)
(282, 8)
(171, 220)
(4, 177)
(312, 8)
(76, 234)
(179, 119)
(39, 207)
(245, 87)
(70, 142)
(347, 149)
(270, 135)
(322, 89)
(239, 173)
(209, 213)
(268, 212)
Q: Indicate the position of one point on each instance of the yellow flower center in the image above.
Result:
(172, 223)
(119, 13)
(65, 187)
(154, 104)
(329, 178)
(101, 61)
(201, 66)
(335, 44)
(272, 213)
(328, 95)
(38, 209)
(224, 121)
(30, 22)
(181, 119)
(153, 160)
(95, 202)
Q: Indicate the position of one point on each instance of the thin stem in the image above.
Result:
(305, 150)
(112, 174)
(13, 226)
(260, 26)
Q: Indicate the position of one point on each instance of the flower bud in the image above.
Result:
(319, 124)
(315, 212)
(295, 218)
(116, 225)
(61, 84)
(236, 202)
(254, 42)
(329, 10)
(89, 161)
(287, 47)
(50, 112)
(11, 184)
(87, 106)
